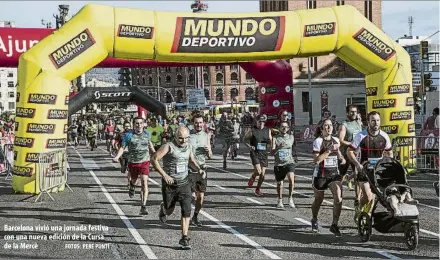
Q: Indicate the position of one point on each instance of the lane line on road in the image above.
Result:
(220, 187)
(145, 248)
(255, 201)
(235, 232)
(309, 196)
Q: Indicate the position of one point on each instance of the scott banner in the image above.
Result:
(98, 31)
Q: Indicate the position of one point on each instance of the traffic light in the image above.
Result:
(424, 50)
(427, 82)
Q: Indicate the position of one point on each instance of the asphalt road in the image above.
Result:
(237, 224)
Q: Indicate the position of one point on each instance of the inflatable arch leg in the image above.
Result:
(98, 31)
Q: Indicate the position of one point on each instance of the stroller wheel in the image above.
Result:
(364, 227)
(412, 237)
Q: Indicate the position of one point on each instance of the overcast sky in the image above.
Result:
(394, 13)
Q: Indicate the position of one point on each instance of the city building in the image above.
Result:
(8, 82)
(427, 100)
(343, 84)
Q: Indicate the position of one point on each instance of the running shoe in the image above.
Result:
(315, 225)
(291, 203)
(196, 222)
(162, 216)
(258, 192)
(251, 181)
(131, 190)
(335, 230)
(184, 243)
(280, 204)
(144, 210)
(350, 185)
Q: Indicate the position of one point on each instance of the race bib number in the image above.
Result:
(283, 154)
(181, 168)
(331, 162)
(372, 162)
(261, 147)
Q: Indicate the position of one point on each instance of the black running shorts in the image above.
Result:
(197, 182)
(322, 183)
(282, 171)
(171, 194)
(258, 157)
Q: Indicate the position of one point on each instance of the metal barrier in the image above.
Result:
(52, 172)
(418, 153)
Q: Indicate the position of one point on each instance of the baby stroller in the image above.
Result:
(388, 175)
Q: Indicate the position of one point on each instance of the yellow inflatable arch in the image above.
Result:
(98, 31)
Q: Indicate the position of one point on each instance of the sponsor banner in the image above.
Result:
(72, 49)
(135, 31)
(57, 114)
(22, 171)
(56, 143)
(25, 112)
(48, 99)
(284, 103)
(24, 142)
(66, 101)
(403, 141)
(40, 128)
(371, 91)
(374, 44)
(390, 129)
(32, 157)
(66, 128)
(400, 115)
(399, 89)
(17, 97)
(269, 90)
(409, 101)
(319, 29)
(411, 128)
(272, 116)
(100, 94)
(384, 103)
(228, 35)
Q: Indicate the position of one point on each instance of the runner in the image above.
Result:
(201, 148)
(124, 158)
(156, 131)
(372, 144)
(235, 146)
(326, 174)
(347, 131)
(226, 132)
(74, 134)
(109, 136)
(176, 186)
(257, 139)
(139, 148)
(92, 132)
(284, 163)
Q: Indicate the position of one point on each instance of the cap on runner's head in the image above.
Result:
(262, 117)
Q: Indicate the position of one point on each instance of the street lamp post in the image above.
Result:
(310, 92)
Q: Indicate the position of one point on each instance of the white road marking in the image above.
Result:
(235, 232)
(220, 187)
(145, 248)
(387, 255)
(255, 201)
(429, 232)
(303, 221)
(89, 164)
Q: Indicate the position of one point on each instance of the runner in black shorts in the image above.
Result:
(284, 163)
(326, 155)
(257, 139)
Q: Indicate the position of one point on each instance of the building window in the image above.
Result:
(314, 63)
(191, 79)
(249, 94)
(168, 69)
(218, 67)
(234, 93)
(219, 95)
(219, 78)
(207, 94)
(305, 101)
(368, 9)
(205, 79)
(10, 84)
(168, 79)
(311, 4)
(340, 2)
(11, 94)
(11, 105)
(234, 67)
(234, 77)
(248, 77)
(179, 78)
(10, 74)
(179, 96)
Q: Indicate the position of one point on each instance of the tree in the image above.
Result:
(124, 77)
